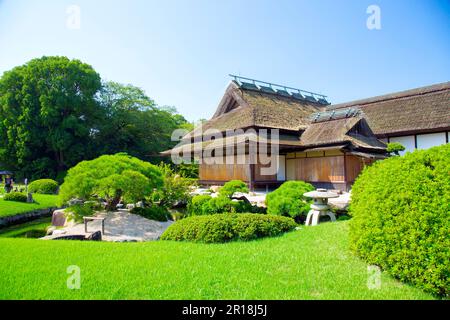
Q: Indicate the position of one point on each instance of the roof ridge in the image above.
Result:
(394, 96)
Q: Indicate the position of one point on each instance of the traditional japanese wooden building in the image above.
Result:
(305, 138)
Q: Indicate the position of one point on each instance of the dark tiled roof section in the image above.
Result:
(419, 109)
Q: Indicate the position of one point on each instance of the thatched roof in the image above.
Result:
(355, 124)
(352, 130)
(244, 108)
(239, 140)
(418, 110)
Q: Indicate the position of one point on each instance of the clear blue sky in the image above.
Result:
(181, 52)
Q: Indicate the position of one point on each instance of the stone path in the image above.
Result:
(119, 226)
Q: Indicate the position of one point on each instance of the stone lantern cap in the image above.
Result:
(320, 194)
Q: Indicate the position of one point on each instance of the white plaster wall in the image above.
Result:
(406, 141)
(425, 141)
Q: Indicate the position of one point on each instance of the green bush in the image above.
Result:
(175, 190)
(206, 205)
(43, 186)
(400, 208)
(15, 196)
(394, 148)
(153, 212)
(288, 199)
(231, 187)
(226, 227)
(195, 207)
(220, 204)
(113, 178)
(78, 211)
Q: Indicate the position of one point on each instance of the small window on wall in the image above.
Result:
(425, 141)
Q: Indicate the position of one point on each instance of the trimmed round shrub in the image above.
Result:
(15, 196)
(219, 228)
(288, 199)
(153, 212)
(233, 186)
(43, 186)
(401, 222)
(220, 204)
(195, 207)
(206, 205)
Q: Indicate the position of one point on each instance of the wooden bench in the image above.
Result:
(87, 219)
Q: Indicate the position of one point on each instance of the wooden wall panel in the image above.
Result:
(354, 166)
(224, 172)
(264, 177)
(324, 169)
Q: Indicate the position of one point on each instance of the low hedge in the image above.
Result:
(43, 186)
(15, 196)
(153, 212)
(400, 208)
(207, 205)
(226, 227)
(288, 199)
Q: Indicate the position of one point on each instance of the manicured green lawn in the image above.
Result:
(313, 263)
(11, 208)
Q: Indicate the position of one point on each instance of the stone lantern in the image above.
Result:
(320, 206)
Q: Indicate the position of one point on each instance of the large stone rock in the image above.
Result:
(58, 218)
(215, 189)
(96, 236)
(30, 197)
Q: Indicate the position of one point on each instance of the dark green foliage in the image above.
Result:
(175, 190)
(220, 204)
(395, 148)
(111, 177)
(153, 212)
(400, 208)
(134, 123)
(15, 196)
(226, 227)
(288, 199)
(56, 112)
(48, 109)
(187, 170)
(206, 205)
(233, 186)
(43, 186)
(195, 207)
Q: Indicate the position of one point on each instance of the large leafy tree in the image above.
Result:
(134, 123)
(111, 177)
(48, 115)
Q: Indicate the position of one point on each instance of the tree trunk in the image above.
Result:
(111, 203)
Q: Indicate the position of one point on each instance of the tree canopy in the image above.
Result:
(111, 177)
(56, 112)
(48, 112)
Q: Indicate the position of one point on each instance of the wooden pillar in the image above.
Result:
(345, 172)
(252, 177)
